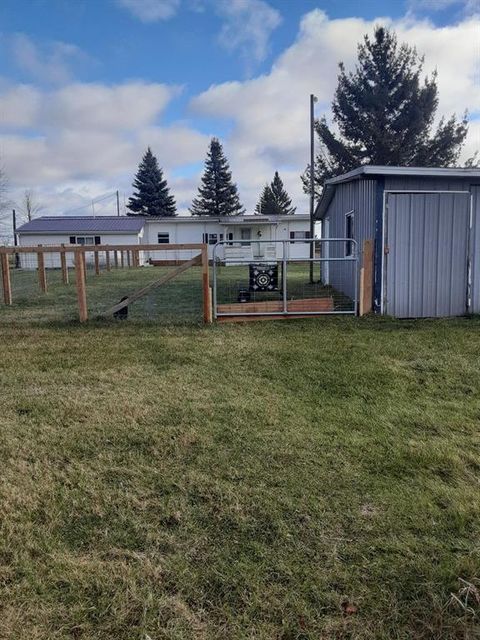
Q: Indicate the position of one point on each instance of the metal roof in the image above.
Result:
(133, 224)
(243, 219)
(430, 172)
(83, 224)
(376, 170)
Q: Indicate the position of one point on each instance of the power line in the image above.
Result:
(89, 204)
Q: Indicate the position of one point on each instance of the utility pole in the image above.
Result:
(118, 204)
(313, 99)
(15, 240)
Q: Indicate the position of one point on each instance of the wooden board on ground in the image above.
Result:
(296, 308)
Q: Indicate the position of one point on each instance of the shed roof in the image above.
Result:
(83, 224)
(430, 172)
(377, 170)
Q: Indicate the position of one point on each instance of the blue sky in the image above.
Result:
(85, 84)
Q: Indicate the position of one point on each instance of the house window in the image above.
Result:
(163, 238)
(83, 240)
(212, 238)
(230, 238)
(349, 233)
(299, 235)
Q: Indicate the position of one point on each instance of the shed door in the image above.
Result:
(426, 254)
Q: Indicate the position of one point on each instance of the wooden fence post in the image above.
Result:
(207, 303)
(7, 287)
(84, 262)
(129, 264)
(63, 262)
(97, 262)
(115, 258)
(42, 274)
(122, 259)
(366, 279)
(107, 260)
(81, 285)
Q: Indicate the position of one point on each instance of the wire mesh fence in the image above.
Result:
(289, 282)
(153, 284)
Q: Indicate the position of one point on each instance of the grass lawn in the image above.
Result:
(313, 479)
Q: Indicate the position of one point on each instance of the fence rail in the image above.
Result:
(53, 258)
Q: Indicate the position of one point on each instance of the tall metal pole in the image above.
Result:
(118, 204)
(313, 99)
(15, 239)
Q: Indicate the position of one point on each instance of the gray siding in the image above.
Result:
(427, 238)
(425, 184)
(475, 248)
(357, 196)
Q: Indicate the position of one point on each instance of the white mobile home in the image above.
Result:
(246, 237)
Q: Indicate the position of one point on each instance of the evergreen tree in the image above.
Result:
(274, 200)
(265, 203)
(152, 195)
(217, 194)
(283, 203)
(385, 113)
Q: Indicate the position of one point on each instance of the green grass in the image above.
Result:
(309, 479)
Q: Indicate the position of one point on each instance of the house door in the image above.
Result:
(426, 254)
(245, 236)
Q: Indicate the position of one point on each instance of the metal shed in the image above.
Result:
(425, 223)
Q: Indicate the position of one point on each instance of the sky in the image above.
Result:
(87, 85)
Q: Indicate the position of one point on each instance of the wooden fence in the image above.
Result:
(123, 256)
(366, 279)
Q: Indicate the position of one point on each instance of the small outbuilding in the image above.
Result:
(425, 224)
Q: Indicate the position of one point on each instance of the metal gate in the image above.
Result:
(269, 278)
(426, 253)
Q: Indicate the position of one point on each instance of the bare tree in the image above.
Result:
(30, 207)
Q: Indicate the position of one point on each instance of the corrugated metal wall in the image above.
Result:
(357, 196)
(413, 183)
(427, 238)
(475, 248)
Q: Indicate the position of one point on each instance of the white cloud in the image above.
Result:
(86, 106)
(247, 28)
(151, 10)
(270, 112)
(90, 133)
(52, 64)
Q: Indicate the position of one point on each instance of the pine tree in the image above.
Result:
(283, 203)
(385, 113)
(152, 196)
(274, 200)
(217, 194)
(265, 203)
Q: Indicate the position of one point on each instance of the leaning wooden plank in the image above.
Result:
(153, 285)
